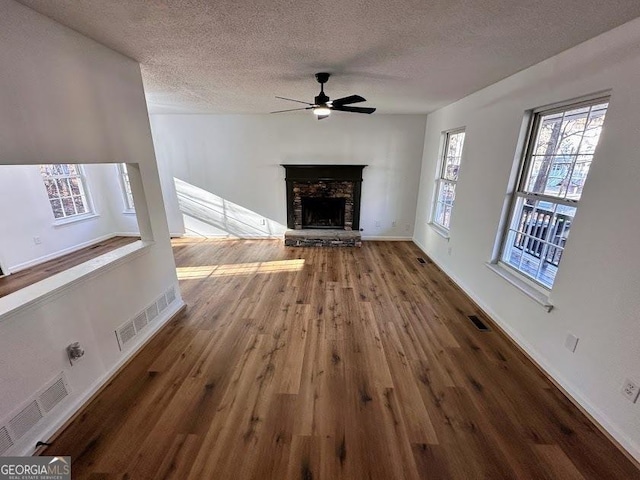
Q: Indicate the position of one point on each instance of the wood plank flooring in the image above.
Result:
(29, 276)
(320, 363)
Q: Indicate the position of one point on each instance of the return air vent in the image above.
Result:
(162, 303)
(38, 406)
(140, 321)
(479, 324)
(126, 333)
(5, 440)
(171, 295)
(152, 312)
(25, 420)
(53, 395)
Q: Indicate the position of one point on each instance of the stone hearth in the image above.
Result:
(322, 238)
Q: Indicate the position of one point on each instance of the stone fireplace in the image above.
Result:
(323, 205)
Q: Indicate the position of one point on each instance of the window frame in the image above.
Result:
(441, 179)
(85, 194)
(124, 181)
(520, 185)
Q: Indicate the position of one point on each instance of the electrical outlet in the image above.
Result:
(263, 222)
(378, 223)
(630, 390)
(449, 251)
(37, 240)
(407, 228)
(571, 342)
(393, 224)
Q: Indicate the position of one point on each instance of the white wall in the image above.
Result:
(66, 98)
(234, 163)
(29, 215)
(596, 293)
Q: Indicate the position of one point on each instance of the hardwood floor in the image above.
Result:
(320, 363)
(29, 276)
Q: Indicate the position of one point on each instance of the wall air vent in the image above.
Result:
(53, 395)
(152, 312)
(125, 333)
(479, 324)
(25, 420)
(171, 295)
(162, 303)
(140, 321)
(5, 440)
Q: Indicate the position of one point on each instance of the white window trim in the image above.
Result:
(91, 211)
(442, 163)
(527, 285)
(122, 172)
(59, 222)
(521, 283)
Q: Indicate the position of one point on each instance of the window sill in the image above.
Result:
(76, 218)
(440, 230)
(530, 291)
(43, 291)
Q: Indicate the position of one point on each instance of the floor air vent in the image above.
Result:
(25, 420)
(5, 440)
(479, 324)
(421, 260)
(53, 395)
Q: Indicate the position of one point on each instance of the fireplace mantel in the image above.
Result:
(339, 180)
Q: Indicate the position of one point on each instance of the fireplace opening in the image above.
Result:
(323, 212)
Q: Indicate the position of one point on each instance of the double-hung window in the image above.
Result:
(448, 178)
(559, 152)
(66, 189)
(126, 188)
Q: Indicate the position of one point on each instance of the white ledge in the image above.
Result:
(49, 288)
(531, 292)
(73, 219)
(443, 232)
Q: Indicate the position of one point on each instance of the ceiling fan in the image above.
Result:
(322, 105)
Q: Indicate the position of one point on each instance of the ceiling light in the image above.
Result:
(321, 110)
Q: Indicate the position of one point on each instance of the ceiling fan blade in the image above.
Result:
(320, 117)
(292, 100)
(353, 109)
(292, 110)
(347, 100)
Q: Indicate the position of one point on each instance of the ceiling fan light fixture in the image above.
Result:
(322, 110)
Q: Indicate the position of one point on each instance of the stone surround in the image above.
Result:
(323, 189)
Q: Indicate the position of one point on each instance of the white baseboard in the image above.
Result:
(60, 253)
(386, 239)
(27, 445)
(630, 447)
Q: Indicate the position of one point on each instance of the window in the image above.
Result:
(126, 188)
(446, 183)
(559, 153)
(66, 190)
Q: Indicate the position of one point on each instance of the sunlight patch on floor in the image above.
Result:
(204, 271)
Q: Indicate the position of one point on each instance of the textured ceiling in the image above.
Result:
(404, 56)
